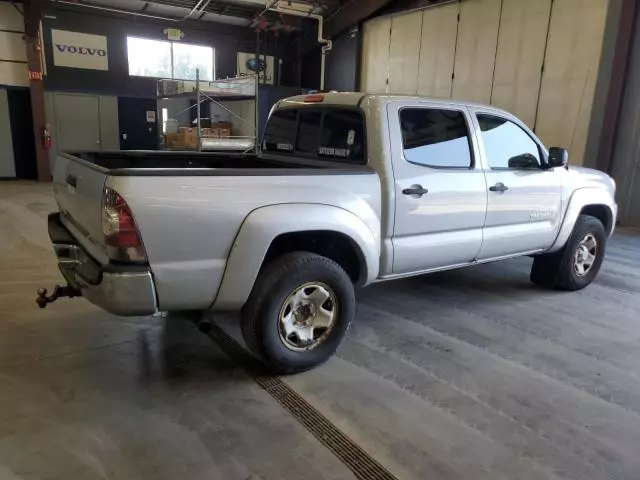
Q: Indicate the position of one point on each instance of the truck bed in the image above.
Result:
(189, 207)
(166, 163)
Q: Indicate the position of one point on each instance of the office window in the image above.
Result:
(186, 58)
(164, 59)
(149, 58)
(435, 138)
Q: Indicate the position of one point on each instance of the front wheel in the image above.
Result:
(577, 264)
(299, 311)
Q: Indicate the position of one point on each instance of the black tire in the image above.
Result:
(260, 321)
(556, 270)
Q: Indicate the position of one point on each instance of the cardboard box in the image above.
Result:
(174, 141)
(190, 138)
(185, 139)
(209, 133)
(223, 129)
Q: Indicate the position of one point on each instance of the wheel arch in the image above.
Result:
(590, 201)
(271, 231)
(602, 213)
(337, 246)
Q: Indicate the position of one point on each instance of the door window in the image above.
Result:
(507, 145)
(435, 138)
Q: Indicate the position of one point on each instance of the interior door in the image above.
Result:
(24, 144)
(138, 122)
(440, 190)
(78, 122)
(524, 200)
(7, 166)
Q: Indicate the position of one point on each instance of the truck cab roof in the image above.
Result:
(357, 98)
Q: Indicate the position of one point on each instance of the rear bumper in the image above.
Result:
(121, 290)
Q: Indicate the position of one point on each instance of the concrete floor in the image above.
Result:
(472, 374)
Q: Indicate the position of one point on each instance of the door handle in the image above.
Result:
(72, 181)
(415, 191)
(499, 187)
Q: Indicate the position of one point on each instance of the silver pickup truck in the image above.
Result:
(350, 189)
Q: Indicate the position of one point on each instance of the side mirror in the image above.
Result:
(526, 161)
(558, 157)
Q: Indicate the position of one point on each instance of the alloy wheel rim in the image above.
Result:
(307, 316)
(585, 255)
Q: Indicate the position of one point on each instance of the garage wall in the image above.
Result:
(570, 73)
(626, 153)
(375, 56)
(437, 50)
(476, 49)
(537, 59)
(519, 56)
(13, 53)
(404, 53)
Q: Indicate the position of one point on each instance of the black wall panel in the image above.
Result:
(341, 69)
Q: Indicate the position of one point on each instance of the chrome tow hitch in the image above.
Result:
(59, 291)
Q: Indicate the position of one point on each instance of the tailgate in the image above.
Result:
(78, 187)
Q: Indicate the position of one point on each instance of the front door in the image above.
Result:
(78, 122)
(524, 200)
(138, 123)
(440, 188)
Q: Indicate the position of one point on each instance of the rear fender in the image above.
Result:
(264, 224)
(579, 199)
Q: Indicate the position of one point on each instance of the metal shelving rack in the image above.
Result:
(227, 89)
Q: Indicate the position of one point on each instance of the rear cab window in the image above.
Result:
(323, 133)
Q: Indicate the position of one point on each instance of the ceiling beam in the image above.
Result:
(351, 13)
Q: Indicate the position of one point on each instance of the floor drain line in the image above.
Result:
(363, 465)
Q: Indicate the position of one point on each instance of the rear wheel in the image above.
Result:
(299, 311)
(577, 264)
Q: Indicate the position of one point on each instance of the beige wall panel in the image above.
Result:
(519, 57)
(375, 56)
(404, 53)
(476, 49)
(437, 50)
(570, 74)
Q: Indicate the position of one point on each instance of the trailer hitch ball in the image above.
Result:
(59, 291)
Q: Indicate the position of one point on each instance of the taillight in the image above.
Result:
(119, 228)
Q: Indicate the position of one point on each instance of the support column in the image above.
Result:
(33, 10)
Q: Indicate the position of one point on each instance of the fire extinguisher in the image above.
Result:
(46, 138)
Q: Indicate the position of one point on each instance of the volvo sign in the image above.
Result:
(79, 50)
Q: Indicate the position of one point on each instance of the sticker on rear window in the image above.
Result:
(286, 147)
(351, 137)
(334, 152)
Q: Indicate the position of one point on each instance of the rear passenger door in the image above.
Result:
(524, 200)
(440, 188)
